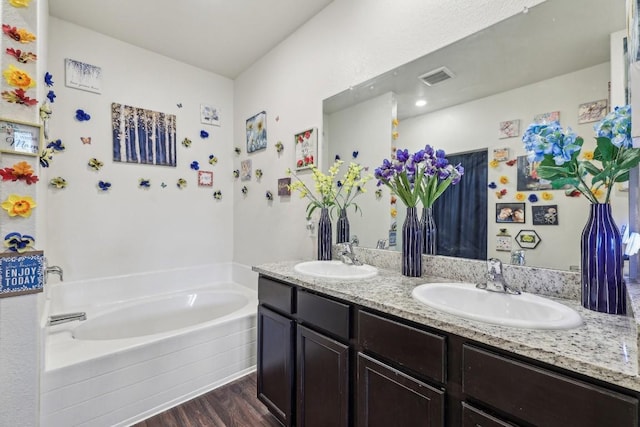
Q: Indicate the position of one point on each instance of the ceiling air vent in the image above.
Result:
(436, 76)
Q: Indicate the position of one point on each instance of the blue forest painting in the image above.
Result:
(143, 136)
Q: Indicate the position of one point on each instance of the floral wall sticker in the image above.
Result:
(95, 164)
(19, 3)
(18, 96)
(17, 205)
(217, 195)
(16, 242)
(186, 142)
(58, 182)
(86, 140)
(21, 35)
(22, 56)
(143, 136)
(21, 171)
(144, 183)
(82, 116)
(104, 185)
(204, 134)
(182, 183)
(17, 77)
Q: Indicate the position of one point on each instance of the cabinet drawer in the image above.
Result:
(417, 350)
(324, 313)
(276, 295)
(473, 417)
(542, 397)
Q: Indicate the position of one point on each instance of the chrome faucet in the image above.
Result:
(382, 244)
(51, 269)
(495, 280)
(57, 319)
(347, 255)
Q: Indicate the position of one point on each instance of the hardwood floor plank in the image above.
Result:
(232, 405)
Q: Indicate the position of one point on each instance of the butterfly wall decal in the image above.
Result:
(85, 139)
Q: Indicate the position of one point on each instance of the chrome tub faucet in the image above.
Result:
(57, 319)
(54, 269)
(495, 279)
(347, 255)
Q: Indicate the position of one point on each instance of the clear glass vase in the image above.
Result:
(603, 287)
(412, 244)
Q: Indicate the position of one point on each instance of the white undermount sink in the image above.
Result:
(335, 270)
(519, 311)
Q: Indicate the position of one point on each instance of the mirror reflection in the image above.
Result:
(553, 59)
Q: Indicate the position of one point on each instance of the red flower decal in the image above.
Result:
(18, 96)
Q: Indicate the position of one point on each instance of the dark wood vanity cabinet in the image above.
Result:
(303, 364)
(326, 362)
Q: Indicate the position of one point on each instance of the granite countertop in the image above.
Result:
(604, 347)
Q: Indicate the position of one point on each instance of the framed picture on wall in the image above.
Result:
(510, 212)
(509, 129)
(528, 178)
(592, 111)
(257, 132)
(20, 137)
(306, 148)
(543, 118)
(528, 239)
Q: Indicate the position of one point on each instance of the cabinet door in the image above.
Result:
(473, 417)
(275, 370)
(388, 397)
(322, 380)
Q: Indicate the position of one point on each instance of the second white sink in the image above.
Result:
(520, 311)
(335, 270)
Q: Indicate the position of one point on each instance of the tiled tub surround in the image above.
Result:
(116, 382)
(605, 347)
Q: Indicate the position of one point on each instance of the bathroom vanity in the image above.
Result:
(339, 353)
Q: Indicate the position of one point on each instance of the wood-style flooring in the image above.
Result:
(232, 405)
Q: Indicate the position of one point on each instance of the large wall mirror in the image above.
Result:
(559, 57)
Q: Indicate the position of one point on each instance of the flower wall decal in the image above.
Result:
(18, 96)
(16, 242)
(204, 134)
(45, 157)
(104, 185)
(213, 159)
(58, 182)
(95, 164)
(56, 146)
(48, 79)
(21, 171)
(22, 57)
(532, 198)
(186, 142)
(244, 190)
(217, 195)
(258, 173)
(82, 116)
(16, 205)
(279, 147)
(20, 35)
(238, 150)
(195, 165)
(269, 195)
(144, 183)
(18, 78)
(51, 96)
(236, 173)
(181, 183)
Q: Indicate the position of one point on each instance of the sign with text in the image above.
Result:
(21, 273)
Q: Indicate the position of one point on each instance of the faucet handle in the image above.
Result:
(494, 266)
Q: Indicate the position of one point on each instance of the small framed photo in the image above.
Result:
(205, 178)
(592, 111)
(545, 118)
(245, 170)
(209, 115)
(83, 76)
(510, 212)
(20, 137)
(501, 154)
(306, 148)
(509, 129)
(545, 215)
(528, 239)
(283, 186)
(257, 132)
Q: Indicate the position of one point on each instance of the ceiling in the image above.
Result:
(551, 39)
(222, 36)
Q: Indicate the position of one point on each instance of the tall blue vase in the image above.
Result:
(324, 236)
(429, 232)
(412, 244)
(603, 287)
(342, 227)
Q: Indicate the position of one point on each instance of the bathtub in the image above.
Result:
(149, 343)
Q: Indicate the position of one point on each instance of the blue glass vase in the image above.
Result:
(412, 244)
(603, 287)
(342, 227)
(324, 236)
(429, 232)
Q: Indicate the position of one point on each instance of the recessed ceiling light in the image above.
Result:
(421, 103)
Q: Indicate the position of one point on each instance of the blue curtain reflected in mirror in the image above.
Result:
(459, 236)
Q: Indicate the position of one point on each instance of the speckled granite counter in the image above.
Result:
(604, 347)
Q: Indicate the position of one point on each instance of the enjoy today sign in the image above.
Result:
(21, 273)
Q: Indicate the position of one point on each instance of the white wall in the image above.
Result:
(348, 42)
(474, 125)
(131, 230)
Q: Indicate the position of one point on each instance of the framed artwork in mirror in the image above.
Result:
(205, 178)
(20, 137)
(510, 212)
(592, 111)
(543, 118)
(545, 215)
(509, 129)
(245, 170)
(528, 239)
(306, 148)
(257, 132)
(283, 186)
(528, 178)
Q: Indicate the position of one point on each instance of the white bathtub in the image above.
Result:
(141, 352)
